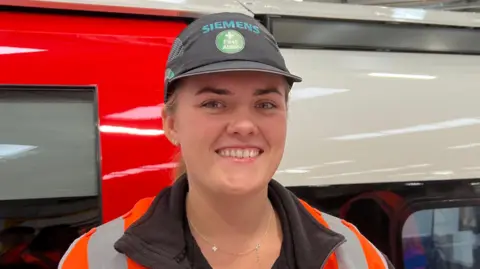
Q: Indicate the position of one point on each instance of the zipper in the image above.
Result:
(331, 252)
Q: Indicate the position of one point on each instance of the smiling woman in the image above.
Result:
(242, 120)
(226, 94)
(203, 98)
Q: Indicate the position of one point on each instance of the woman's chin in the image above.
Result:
(240, 185)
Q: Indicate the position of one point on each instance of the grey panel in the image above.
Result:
(101, 253)
(47, 144)
(301, 32)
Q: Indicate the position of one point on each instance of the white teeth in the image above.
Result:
(239, 153)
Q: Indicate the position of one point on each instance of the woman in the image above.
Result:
(226, 93)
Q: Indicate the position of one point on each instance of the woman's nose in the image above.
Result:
(243, 124)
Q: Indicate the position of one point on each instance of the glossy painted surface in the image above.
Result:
(171, 8)
(367, 117)
(396, 121)
(378, 117)
(125, 60)
(361, 12)
(195, 8)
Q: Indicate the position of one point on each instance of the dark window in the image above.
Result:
(49, 176)
(47, 144)
(444, 238)
(362, 35)
(372, 221)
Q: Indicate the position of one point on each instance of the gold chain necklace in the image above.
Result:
(256, 248)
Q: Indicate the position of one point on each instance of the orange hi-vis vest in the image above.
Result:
(94, 249)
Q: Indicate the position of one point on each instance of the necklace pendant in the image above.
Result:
(214, 248)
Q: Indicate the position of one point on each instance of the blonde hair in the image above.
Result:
(169, 109)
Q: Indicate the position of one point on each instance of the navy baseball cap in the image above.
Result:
(223, 42)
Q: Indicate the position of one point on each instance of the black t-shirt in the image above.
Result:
(286, 259)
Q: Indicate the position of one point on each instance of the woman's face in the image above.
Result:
(231, 128)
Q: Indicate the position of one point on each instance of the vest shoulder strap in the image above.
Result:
(138, 210)
(94, 249)
(356, 252)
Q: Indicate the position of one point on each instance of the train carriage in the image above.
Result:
(384, 129)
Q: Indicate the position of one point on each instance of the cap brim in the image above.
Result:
(230, 66)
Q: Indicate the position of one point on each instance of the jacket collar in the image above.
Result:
(156, 240)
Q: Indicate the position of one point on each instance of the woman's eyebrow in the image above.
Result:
(213, 90)
(267, 91)
(219, 91)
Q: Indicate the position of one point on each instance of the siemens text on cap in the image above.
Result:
(230, 25)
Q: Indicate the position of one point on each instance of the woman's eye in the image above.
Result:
(213, 104)
(266, 105)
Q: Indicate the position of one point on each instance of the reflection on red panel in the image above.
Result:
(124, 59)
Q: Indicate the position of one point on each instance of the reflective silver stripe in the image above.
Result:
(72, 246)
(382, 257)
(118, 262)
(101, 254)
(349, 255)
(384, 261)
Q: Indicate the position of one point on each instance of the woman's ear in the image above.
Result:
(169, 127)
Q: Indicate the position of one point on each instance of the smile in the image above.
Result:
(240, 153)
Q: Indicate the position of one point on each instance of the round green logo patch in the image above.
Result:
(230, 41)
